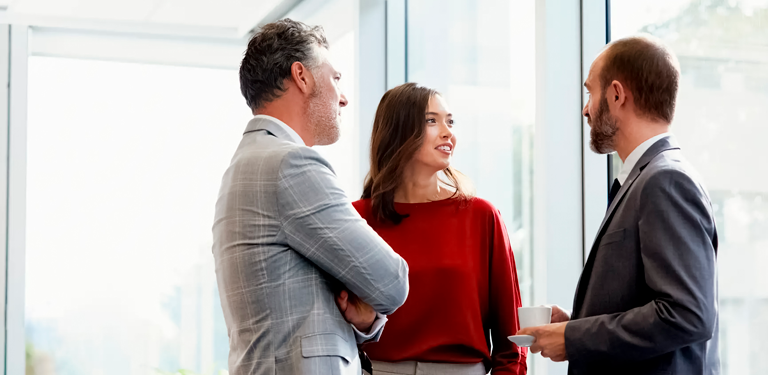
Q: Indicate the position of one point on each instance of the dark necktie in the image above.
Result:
(614, 190)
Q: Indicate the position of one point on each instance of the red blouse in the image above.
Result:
(463, 283)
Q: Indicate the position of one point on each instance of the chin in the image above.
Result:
(441, 166)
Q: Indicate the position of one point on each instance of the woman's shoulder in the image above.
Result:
(481, 205)
(362, 206)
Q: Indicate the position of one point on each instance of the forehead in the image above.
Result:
(437, 104)
(594, 70)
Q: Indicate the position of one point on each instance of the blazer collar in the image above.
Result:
(275, 127)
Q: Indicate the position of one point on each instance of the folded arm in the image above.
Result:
(320, 223)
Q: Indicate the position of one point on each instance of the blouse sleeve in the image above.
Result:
(506, 357)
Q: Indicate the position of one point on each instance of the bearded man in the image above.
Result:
(646, 302)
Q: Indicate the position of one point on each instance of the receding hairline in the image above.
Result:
(647, 68)
(645, 41)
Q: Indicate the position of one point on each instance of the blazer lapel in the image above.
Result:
(664, 144)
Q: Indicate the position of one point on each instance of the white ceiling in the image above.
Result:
(215, 17)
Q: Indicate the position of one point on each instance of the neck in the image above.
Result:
(285, 110)
(635, 132)
(420, 184)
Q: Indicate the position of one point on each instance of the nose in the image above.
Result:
(446, 132)
(343, 102)
(585, 111)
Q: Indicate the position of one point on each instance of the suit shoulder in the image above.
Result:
(672, 173)
(671, 166)
(302, 157)
(263, 149)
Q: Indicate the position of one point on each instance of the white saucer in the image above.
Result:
(522, 340)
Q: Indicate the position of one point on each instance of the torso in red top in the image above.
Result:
(463, 283)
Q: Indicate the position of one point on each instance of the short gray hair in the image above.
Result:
(270, 54)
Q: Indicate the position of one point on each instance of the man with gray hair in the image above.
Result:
(302, 278)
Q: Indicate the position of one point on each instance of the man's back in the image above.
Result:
(283, 231)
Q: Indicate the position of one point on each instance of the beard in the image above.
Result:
(323, 115)
(603, 130)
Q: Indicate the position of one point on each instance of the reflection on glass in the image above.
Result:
(480, 56)
(720, 122)
(124, 166)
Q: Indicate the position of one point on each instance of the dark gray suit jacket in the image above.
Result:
(646, 302)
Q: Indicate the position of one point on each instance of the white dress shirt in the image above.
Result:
(635, 156)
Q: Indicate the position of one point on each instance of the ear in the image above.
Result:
(302, 78)
(617, 94)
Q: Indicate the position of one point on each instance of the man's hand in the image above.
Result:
(355, 311)
(559, 315)
(550, 340)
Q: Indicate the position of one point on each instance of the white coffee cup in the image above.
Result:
(534, 316)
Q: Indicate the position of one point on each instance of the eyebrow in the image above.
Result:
(437, 114)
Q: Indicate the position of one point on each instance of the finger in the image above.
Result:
(525, 331)
(342, 303)
(535, 348)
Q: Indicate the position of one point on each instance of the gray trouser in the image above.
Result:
(427, 368)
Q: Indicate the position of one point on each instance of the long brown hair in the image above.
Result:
(398, 133)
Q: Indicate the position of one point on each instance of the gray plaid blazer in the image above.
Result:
(284, 233)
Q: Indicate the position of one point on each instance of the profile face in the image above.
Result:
(326, 101)
(439, 141)
(603, 125)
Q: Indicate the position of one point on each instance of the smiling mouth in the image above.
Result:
(444, 148)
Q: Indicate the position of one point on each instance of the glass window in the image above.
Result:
(124, 166)
(480, 55)
(720, 123)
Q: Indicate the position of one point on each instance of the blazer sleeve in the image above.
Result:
(320, 223)
(506, 357)
(677, 236)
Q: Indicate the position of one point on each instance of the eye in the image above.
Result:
(431, 121)
(450, 122)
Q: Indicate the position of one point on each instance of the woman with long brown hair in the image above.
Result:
(464, 292)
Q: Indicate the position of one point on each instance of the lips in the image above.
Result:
(445, 148)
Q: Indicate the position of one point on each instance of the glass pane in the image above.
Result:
(475, 53)
(124, 166)
(720, 123)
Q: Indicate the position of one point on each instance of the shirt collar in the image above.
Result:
(635, 156)
(295, 137)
